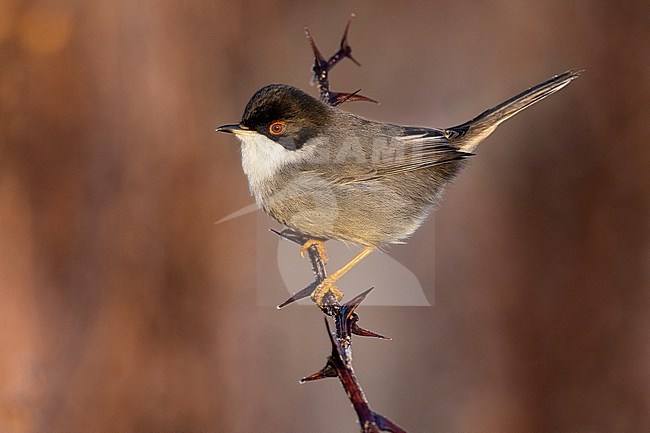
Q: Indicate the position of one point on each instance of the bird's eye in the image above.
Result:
(277, 128)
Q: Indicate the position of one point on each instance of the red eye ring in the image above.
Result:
(277, 128)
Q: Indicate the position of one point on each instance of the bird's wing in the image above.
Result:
(416, 149)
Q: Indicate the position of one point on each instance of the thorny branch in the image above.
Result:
(339, 363)
(322, 67)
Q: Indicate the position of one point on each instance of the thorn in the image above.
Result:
(353, 303)
(351, 317)
(349, 56)
(385, 424)
(278, 233)
(322, 68)
(317, 55)
(337, 350)
(290, 235)
(336, 99)
(299, 295)
(324, 373)
(358, 330)
(346, 50)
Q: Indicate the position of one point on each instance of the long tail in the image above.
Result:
(468, 135)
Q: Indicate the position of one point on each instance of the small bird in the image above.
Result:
(330, 174)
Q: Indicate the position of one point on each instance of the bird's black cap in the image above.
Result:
(304, 117)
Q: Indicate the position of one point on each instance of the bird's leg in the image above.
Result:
(328, 284)
(320, 247)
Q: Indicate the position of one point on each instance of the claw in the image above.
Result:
(320, 248)
(321, 295)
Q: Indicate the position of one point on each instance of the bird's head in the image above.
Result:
(283, 114)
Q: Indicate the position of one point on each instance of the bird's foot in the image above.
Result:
(326, 292)
(320, 248)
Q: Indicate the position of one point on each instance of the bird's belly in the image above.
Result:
(371, 216)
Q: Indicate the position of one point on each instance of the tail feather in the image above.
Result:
(468, 135)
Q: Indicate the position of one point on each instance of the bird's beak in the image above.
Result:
(235, 128)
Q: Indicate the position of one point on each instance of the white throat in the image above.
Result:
(262, 158)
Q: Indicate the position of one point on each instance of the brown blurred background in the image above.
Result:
(124, 308)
